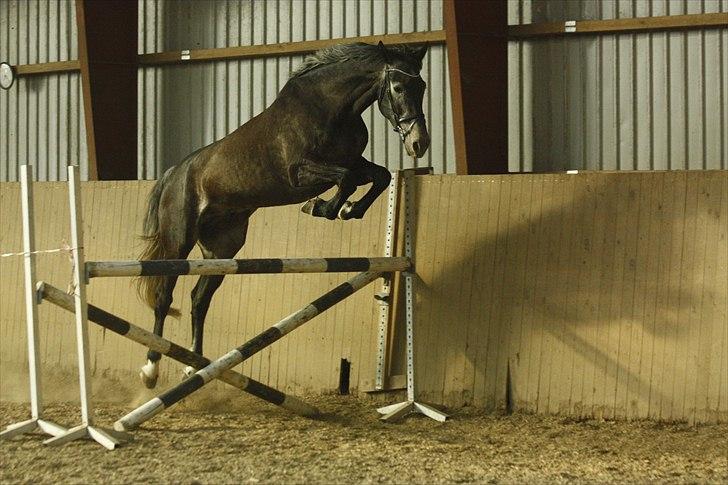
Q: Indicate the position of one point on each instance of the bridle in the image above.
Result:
(387, 87)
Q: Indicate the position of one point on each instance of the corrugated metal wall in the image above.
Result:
(616, 102)
(41, 117)
(185, 107)
(653, 101)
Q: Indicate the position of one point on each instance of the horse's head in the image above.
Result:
(400, 96)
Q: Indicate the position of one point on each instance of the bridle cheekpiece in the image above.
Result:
(387, 88)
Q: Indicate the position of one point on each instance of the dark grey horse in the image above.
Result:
(308, 140)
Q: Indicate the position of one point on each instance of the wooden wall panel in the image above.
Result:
(600, 294)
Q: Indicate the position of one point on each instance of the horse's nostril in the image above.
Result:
(416, 147)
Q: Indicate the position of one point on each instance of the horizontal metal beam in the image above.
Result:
(47, 68)
(282, 49)
(171, 267)
(240, 52)
(620, 26)
(515, 32)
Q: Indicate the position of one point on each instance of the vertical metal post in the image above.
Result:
(31, 317)
(395, 412)
(408, 281)
(385, 295)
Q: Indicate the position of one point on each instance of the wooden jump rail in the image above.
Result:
(136, 334)
(245, 351)
(178, 267)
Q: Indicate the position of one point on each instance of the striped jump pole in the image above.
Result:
(239, 354)
(178, 267)
(176, 352)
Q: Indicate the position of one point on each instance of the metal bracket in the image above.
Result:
(570, 26)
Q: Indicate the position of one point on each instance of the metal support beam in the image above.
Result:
(477, 48)
(107, 55)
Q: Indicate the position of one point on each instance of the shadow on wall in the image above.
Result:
(592, 294)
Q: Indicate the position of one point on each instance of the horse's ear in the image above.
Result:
(384, 51)
(419, 51)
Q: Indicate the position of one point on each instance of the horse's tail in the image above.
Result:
(148, 286)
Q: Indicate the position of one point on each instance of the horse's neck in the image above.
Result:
(347, 92)
(364, 96)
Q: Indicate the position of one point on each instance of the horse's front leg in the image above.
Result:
(311, 174)
(372, 173)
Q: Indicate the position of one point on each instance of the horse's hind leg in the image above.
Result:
(175, 243)
(150, 371)
(219, 239)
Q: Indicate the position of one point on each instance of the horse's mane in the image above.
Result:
(359, 52)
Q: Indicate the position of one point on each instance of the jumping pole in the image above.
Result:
(243, 352)
(176, 352)
(179, 267)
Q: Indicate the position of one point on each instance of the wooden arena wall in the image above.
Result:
(598, 294)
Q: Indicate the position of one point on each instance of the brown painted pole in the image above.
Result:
(108, 59)
(477, 47)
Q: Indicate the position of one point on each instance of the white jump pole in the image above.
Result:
(31, 318)
(109, 439)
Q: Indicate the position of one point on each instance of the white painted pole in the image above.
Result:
(107, 438)
(31, 300)
(79, 293)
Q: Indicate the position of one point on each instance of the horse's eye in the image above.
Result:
(397, 89)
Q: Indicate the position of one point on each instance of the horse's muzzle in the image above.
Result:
(417, 140)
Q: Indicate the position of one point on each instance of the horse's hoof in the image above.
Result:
(309, 206)
(188, 371)
(345, 210)
(149, 374)
(149, 382)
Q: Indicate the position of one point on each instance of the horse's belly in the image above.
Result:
(281, 194)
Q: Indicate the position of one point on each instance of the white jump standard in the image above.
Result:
(109, 439)
(31, 317)
(243, 352)
(177, 352)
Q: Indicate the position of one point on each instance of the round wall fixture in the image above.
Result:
(7, 75)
